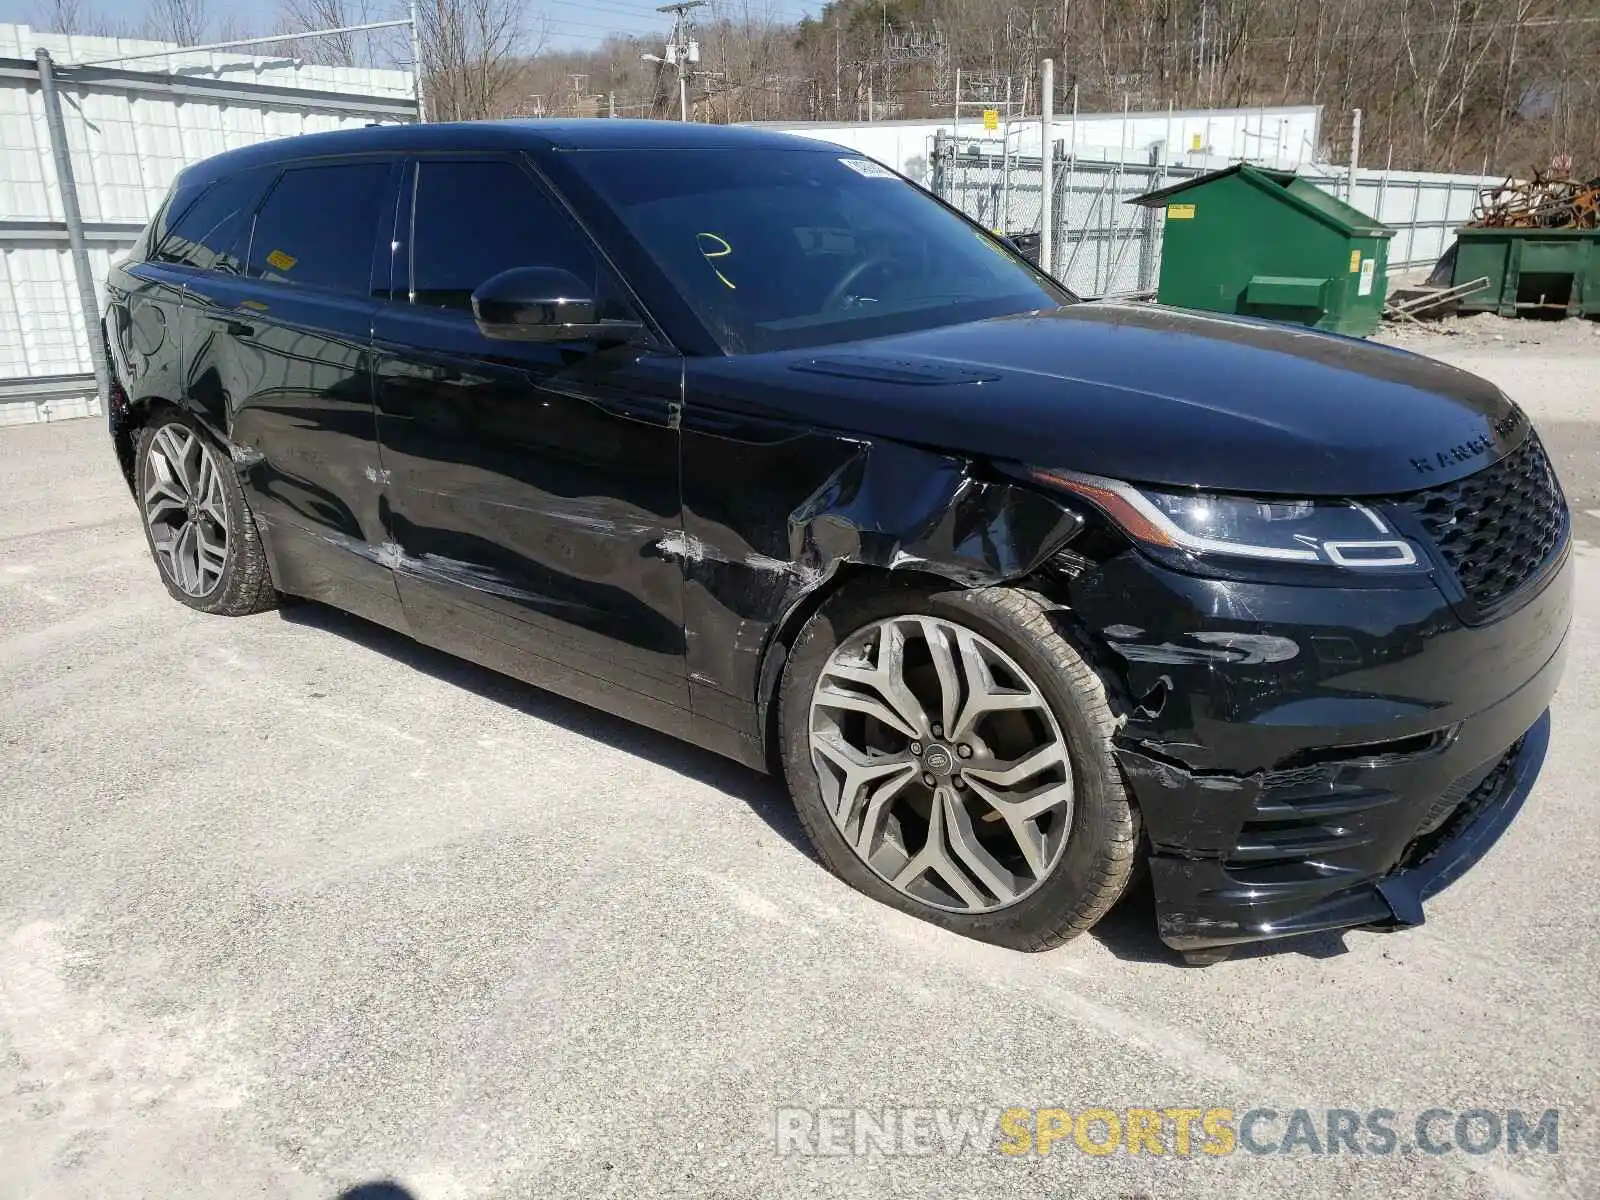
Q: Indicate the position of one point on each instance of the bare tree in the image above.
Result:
(182, 21)
(340, 50)
(470, 55)
(1444, 84)
(76, 18)
(62, 16)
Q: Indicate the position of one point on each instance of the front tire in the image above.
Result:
(949, 753)
(199, 528)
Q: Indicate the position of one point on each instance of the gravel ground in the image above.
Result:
(1470, 332)
(290, 905)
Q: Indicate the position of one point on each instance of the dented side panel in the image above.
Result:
(530, 490)
(285, 375)
(774, 511)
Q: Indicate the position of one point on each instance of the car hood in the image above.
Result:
(1146, 394)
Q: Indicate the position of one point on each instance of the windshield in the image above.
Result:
(782, 249)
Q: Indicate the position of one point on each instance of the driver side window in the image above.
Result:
(473, 219)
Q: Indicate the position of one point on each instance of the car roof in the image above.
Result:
(530, 134)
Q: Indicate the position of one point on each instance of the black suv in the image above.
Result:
(748, 439)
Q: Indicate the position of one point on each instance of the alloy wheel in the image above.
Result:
(186, 509)
(941, 763)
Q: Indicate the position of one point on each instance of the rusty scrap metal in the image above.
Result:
(1544, 201)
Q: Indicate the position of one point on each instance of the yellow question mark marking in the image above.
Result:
(708, 255)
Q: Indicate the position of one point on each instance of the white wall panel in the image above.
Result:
(127, 145)
(1282, 136)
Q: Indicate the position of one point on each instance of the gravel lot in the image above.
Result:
(289, 904)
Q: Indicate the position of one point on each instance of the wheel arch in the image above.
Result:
(129, 419)
(136, 395)
(130, 414)
(846, 577)
(971, 528)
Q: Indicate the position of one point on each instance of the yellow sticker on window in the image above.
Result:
(280, 261)
(1180, 212)
(1355, 261)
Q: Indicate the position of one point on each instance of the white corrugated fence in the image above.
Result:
(130, 130)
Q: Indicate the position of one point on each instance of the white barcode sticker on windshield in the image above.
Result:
(869, 168)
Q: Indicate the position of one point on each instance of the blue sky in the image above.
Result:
(571, 22)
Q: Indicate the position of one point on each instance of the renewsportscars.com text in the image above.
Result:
(1174, 1130)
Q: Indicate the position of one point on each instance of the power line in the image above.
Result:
(682, 50)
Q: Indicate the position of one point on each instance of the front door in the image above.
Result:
(531, 488)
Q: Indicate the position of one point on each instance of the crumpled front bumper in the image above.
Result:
(1311, 758)
(1202, 903)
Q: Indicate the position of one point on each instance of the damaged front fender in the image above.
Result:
(773, 517)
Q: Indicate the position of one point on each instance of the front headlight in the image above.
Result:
(1338, 533)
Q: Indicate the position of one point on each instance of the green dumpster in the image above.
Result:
(1530, 271)
(1269, 244)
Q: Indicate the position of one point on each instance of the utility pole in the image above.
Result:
(416, 63)
(682, 50)
(1047, 147)
(1066, 40)
(1355, 155)
(838, 91)
(883, 56)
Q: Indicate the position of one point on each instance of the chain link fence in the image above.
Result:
(1105, 246)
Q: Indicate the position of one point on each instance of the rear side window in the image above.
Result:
(316, 228)
(210, 233)
(473, 220)
(183, 194)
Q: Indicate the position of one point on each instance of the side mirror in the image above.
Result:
(1024, 245)
(543, 304)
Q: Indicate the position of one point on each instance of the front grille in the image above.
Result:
(1497, 527)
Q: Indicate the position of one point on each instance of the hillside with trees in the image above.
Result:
(1443, 84)
(1447, 84)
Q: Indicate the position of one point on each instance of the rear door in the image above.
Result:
(531, 486)
(144, 321)
(212, 235)
(277, 339)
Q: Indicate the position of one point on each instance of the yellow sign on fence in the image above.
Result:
(991, 118)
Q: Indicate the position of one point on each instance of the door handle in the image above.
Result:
(232, 327)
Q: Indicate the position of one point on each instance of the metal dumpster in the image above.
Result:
(1269, 244)
(1531, 271)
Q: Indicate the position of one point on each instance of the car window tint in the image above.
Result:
(781, 249)
(316, 228)
(210, 232)
(183, 194)
(475, 219)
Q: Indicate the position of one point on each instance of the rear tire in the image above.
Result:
(196, 522)
(1030, 882)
